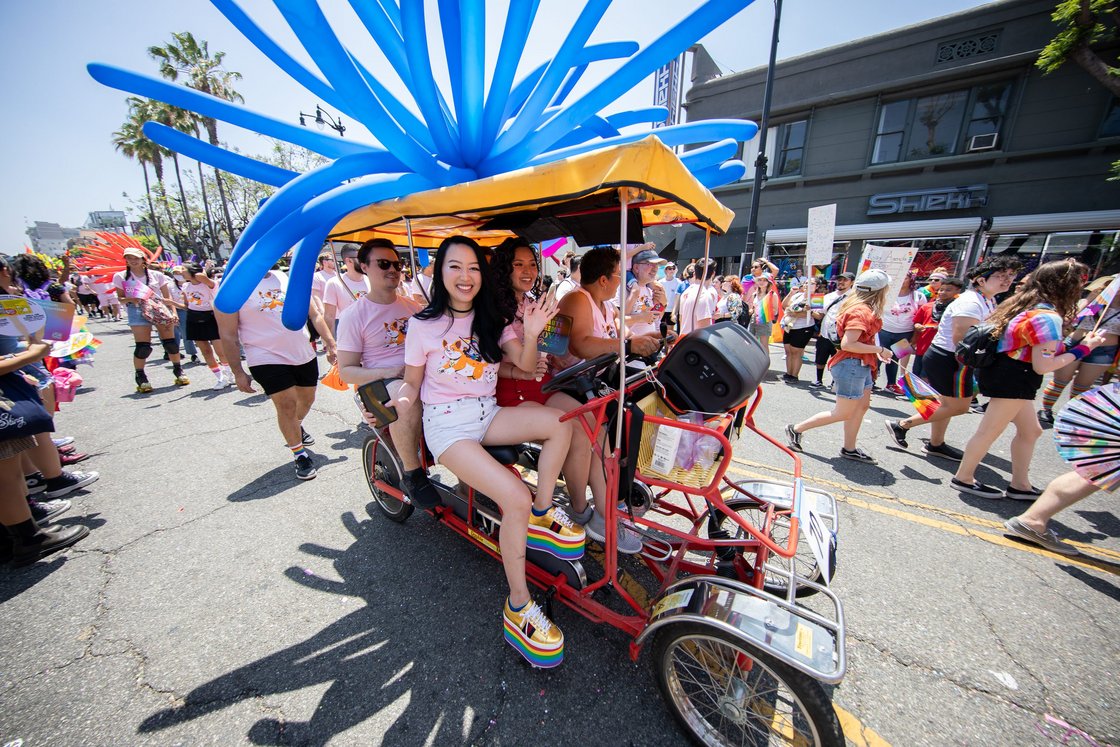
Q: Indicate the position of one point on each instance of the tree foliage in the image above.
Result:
(1086, 27)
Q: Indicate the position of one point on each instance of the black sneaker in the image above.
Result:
(43, 511)
(68, 482)
(945, 451)
(978, 409)
(26, 550)
(1045, 416)
(794, 438)
(788, 378)
(857, 455)
(818, 385)
(305, 468)
(897, 432)
(306, 438)
(419, 489)
(36, 483)
(976, 488)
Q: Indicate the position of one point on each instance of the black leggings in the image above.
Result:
(825, 350)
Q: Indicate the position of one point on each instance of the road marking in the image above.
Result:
(856, 733)
(1085, 561)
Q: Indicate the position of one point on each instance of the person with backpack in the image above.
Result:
(828, 338)
(953, 381)
(1028, 326)
(853, 368)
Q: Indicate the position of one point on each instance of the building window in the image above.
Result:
(941, 124)
(791, 148)
(962, 49)
(1111, 125)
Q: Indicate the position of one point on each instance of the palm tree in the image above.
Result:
(186, 56)
(130, 141)
(179, 119)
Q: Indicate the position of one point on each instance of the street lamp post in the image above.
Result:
(324, 119)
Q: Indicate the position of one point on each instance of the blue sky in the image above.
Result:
(55, 137)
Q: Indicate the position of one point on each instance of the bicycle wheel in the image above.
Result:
(719, 701)
(804, 562)
(379, 463)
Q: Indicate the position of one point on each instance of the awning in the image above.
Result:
(1086, 221)
(731, 244)
(909, 229)
(577, 197)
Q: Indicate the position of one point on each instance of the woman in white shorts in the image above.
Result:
(452, 353)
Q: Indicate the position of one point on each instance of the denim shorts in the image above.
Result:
(448, 423)
(135, 318)
(1101, 356)
(851, 377)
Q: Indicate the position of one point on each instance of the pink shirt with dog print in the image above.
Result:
(453, 366)
(376, 330)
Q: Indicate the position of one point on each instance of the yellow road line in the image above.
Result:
(856, 732)
(1084, 561)
(846, 488)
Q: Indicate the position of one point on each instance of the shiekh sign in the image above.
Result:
(928, 200)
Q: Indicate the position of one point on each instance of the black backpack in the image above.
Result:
(979, 346)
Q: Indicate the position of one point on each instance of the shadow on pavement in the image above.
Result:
(1107, 524)
(1103, 585)
(278, 479)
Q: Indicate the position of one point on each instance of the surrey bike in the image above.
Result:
(730, 593)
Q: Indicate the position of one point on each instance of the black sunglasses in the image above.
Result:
(385, 264)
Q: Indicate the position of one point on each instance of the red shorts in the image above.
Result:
(512, 392)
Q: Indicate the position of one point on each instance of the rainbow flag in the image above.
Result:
(1101, 302)
(920, 394)
(902, 348)
(816, 301)
(770, 310)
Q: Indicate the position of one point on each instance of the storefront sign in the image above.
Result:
(928, 200)
(666, 81)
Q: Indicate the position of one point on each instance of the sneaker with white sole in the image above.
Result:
(1017, 529)
(43, 511)
(897, 433)
(64, 441)
(305, 468)
(533, 635)
(36, 483)
(976, 488)
(794, 438)
(629, 541)
(581, 517)
(306, 438)
(1022, 495)
(68, 482)
(857, 455)
(945, 451)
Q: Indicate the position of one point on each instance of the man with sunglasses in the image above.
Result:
(341, 291)
(371, 334)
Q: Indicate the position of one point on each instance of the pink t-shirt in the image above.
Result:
(376, 330)
(131, 287)
(265, 338)
(200, 297)
(341, 292)
(319, 282)
(602, 326)
(705, 306)
(453, 366)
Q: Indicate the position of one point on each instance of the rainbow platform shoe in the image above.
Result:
(533, 635)
(556, 534)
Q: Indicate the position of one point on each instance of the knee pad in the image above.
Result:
(171, 347)
(143, 350)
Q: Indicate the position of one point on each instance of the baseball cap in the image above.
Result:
(873, 280)
(646, 256)
(847, 276)
(133, 252)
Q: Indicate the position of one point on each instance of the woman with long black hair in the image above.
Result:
(452, 353)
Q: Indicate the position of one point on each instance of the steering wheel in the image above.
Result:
(590, 369)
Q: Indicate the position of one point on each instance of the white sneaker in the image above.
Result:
(629, 541)
(219, 382)
(227, 376)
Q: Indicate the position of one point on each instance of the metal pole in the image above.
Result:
(624, 198)
(412, 258)
(760, 162)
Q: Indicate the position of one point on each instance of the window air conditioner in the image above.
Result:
(986, 141)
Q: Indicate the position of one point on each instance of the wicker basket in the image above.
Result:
(697, 479)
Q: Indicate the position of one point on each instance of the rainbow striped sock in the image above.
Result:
(298, 451)
(1052, 393)
(1079, 390)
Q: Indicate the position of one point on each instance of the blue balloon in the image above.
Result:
(300, 274)
(645, 115)
(212, 106)
(519, 19)
(219, 158)
(594, 53)
(408, 121)
(717, 176)
(273, 51)
(472, 78)
(424, 89)
(311, 26)
(707, 17)
(710, 155)
(422, 257)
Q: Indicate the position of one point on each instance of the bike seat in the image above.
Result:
(504, 454)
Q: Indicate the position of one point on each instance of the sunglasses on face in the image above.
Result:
(385, 264)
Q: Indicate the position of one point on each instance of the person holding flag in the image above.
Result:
(766, 309)
(1103, 315)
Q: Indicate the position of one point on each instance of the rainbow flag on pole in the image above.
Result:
(920, 394)
(770, 309)
(1101, 302)
(816, 301)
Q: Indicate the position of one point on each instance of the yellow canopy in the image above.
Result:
(578, 197)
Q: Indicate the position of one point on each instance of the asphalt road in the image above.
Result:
(220, 601)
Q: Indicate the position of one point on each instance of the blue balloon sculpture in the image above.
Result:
(480, 133)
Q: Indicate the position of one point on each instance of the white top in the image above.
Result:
(705, 306)
(971, 304)
(265, 338)
(800, 319)
(899, 318)
(564, 287)
(341, 291)
(421, 285)
(642, 305)
(376, 330)
(131, 286)
(319, 282)
(672, 290)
